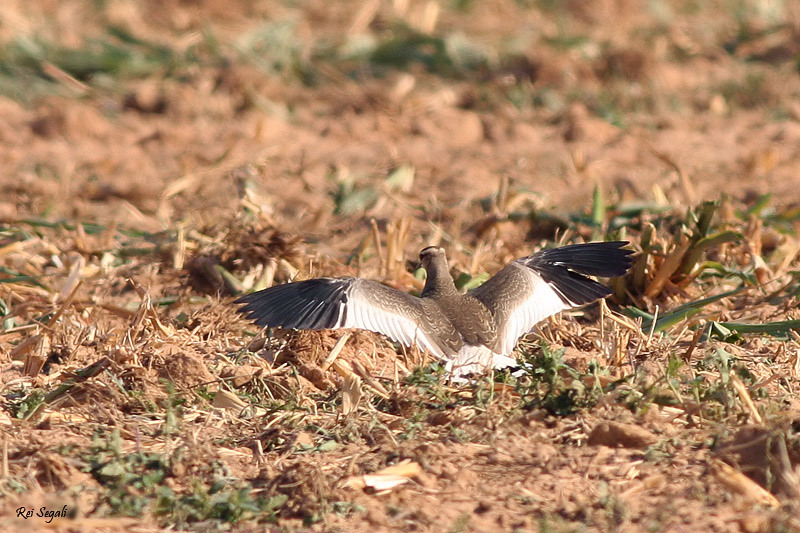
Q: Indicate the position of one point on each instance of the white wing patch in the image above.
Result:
(365, 314)
(542, 301)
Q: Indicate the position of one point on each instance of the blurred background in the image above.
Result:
(159, 156)
(143, 111)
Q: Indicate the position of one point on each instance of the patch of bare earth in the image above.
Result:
(218, 147)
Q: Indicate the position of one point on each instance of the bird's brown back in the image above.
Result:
(471, 319)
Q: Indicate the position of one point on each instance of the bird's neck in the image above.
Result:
(439, 283)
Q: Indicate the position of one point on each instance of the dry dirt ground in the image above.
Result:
(159, 157)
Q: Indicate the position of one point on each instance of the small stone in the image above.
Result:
(619, 435)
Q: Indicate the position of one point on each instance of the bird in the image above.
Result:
(472, 332)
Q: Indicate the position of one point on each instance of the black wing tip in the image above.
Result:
(575, 289)
(566, 268)
(619, 259)
(248, 298)
(607, 259)
(622, 258)
(309, 304)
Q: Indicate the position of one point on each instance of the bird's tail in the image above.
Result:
(475, 360)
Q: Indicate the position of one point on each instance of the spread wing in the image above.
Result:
(535, 287)
(333, 303)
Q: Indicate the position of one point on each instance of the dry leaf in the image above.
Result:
(227, 400)
(735, 480)
(387, 478)
(351, 393)
(670, 265)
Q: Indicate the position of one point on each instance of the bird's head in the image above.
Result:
(431, 254)
(438, 281)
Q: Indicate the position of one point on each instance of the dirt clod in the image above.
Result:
(617, 434)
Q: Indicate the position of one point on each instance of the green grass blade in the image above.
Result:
(780, 328)
(679, 314)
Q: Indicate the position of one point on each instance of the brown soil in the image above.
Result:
(263, 148)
